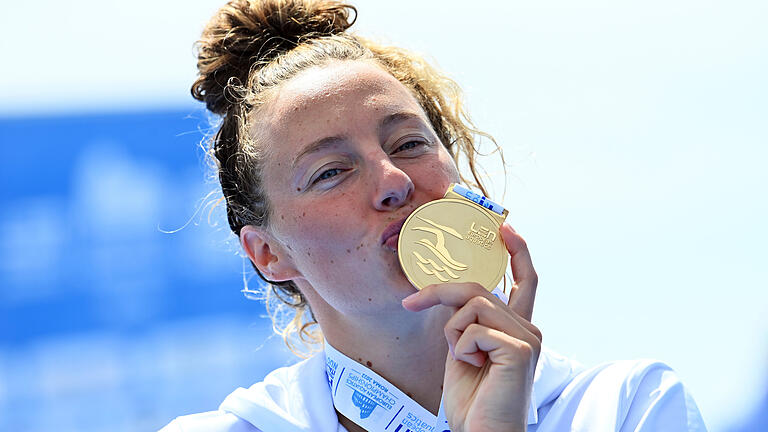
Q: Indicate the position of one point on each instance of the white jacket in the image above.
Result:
(630, 395)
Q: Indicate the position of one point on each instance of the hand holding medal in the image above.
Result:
(493, 347)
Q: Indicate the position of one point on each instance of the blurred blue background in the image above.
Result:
(636, 139)
(108, 321)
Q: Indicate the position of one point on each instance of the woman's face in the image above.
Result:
(348, 152)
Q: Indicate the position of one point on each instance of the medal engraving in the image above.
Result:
(437, 250)
(482, 237)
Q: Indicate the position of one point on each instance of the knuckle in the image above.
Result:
(528, 349)
(449, 331)
(537, 332)
(473, 328)
(478, 302)
(475, 286)
(535, 347)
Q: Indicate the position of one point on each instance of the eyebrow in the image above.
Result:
(324, 143)
(396, 118)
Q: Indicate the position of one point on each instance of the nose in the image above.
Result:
(394, 187)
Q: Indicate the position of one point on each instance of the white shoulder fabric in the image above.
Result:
(636, 396)
(627, 395)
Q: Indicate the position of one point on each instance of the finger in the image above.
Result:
(494, 315)
(456, 295)
(521, 299)
(447, 294)
(478, 343)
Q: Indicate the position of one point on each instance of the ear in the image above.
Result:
(267, 254)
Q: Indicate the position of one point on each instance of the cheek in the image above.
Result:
(449, 166)
(434, 176)
(322, 232)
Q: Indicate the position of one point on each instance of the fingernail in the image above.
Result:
(510, 227)
(411, 297)
(453, 354)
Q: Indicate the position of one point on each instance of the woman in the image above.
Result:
(328, 143)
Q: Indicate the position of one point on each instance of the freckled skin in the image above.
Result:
(353, 208)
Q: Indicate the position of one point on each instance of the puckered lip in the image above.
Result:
(392, 229)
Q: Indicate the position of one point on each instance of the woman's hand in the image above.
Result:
(493, 347)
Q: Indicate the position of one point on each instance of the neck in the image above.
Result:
(409, 351)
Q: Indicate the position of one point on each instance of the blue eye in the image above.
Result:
(327, 174)
(409, 146)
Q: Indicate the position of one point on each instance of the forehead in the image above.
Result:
(330, 100)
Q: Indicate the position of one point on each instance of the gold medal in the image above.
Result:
(454, 239)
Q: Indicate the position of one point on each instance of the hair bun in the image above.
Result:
(245, 33)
